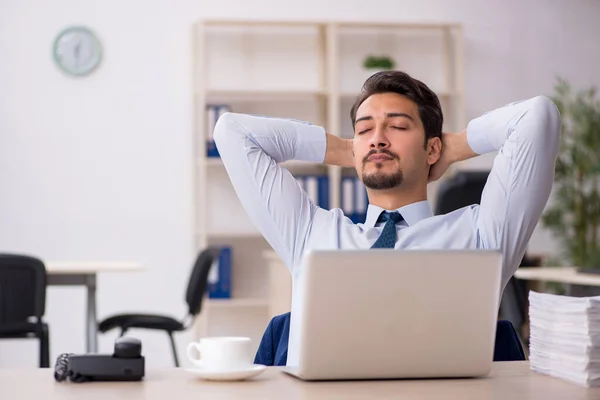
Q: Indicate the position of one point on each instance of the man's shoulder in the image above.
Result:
(464, 213)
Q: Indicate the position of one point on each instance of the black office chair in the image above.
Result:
(23, 301)
(195, 292)
(463, 189)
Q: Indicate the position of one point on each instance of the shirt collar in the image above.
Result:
(411, 213)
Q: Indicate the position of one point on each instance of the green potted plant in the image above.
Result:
(573, 214)
(378, 63)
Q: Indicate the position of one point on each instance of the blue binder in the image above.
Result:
(219, 279)
(213, 112)
(361, 201)
(317, 188)
(354, 199)
(323, 196)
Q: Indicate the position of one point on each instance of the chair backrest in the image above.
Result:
(199, 279)
(465, 189)
(22, 288)
(461, 190)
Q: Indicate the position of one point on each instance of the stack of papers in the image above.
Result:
(565, 337)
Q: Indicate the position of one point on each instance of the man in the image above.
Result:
(398, 147)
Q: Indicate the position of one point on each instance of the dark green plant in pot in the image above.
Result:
(379, 62)
(573, 215)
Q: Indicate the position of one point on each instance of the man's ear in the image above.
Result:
(434, 150)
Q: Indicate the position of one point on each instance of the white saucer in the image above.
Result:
(235, 375)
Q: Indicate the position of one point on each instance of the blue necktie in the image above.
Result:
(387, 239)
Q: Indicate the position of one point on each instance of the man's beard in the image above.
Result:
(382, 181)
(379, 180)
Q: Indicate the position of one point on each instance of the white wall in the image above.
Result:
(100, 168)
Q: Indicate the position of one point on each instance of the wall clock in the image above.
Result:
(77, 51)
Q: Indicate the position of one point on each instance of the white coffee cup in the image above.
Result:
(221, 353)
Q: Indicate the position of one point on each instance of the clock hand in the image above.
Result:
(77, 51)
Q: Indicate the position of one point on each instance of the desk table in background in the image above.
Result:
(568, 275)
(84, 274)
(511, 380)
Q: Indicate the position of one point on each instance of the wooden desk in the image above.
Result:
(84, 274)
(557, 274)
(508, 381)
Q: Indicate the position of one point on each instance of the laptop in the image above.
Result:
(389, 314)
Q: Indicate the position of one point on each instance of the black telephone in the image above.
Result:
(125, 364)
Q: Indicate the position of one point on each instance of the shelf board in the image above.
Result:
(351, 95)
(231, 303)
(288, 94)
(233, 95)
(234, 235)
(397, 25)
(212, 162)
(339, 23)
(215, 162)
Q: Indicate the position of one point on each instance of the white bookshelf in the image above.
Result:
(307, 70)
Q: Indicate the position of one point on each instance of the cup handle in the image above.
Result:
(196, 361)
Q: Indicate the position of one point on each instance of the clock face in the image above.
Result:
(77, 51)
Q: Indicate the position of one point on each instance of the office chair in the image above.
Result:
(465, 189)
(196, 289)
(461, 190)
(23, 301)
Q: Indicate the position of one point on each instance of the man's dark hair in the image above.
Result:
(430, 110)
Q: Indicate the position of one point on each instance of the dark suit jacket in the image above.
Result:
(274, 344)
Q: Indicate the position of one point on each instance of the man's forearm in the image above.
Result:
(339, 151)
(457, 146)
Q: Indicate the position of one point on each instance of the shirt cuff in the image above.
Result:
(477, 131)
(312, 144)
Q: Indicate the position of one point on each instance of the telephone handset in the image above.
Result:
(125, 364)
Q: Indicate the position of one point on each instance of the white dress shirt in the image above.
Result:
(526, 135)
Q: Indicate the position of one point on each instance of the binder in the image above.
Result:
(354, 199)
(219, 277)
(213, 113)
(361, 201)
(323, 192)
(347, 197)
(316, 187)
(312, 188)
